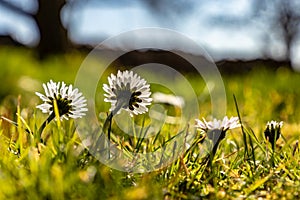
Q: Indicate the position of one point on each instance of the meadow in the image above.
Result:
(245, 165)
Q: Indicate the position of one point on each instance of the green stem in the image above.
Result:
(109, 130)
(108, 120)
(273, 152)
(47, 121)
(14, 123)
(215, 148)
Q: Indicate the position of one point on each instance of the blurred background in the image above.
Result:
(254, 43)
(252, 31)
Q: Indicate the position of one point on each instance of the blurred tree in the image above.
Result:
(53, 35)
(285, 23)
(280, 19)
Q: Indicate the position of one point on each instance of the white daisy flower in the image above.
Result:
(159, 97)
(127, 91)
(215, 124)
(273, 130)
(70, 101)
(274, 124)
(216, 129)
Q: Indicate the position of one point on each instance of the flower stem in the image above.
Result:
(273, 143)
(108, 120)
(216, 145)
(47, 121)
(109, 130)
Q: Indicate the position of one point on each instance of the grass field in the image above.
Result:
(244, 166)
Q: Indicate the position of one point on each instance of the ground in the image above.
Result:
(244, 166)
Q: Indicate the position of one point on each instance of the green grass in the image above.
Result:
(243, 166)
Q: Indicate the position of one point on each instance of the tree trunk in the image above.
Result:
(53, 36)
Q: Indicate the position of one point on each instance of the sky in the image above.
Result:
(110, 21)
(93, 23)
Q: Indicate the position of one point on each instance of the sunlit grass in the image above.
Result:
(244, 165)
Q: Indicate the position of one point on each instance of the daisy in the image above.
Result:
(216, 129)
(69, 100)
(159, 97)
(127, 91)
(222, 125)
(273, 131)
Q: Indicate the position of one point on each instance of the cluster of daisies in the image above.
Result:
(126, 90)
